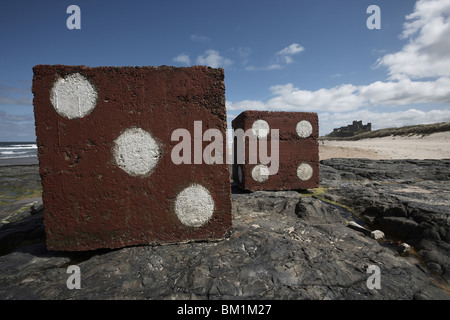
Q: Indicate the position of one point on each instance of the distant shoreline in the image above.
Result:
(19, 161)
(414, 130)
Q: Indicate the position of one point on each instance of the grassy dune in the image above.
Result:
(420, 130)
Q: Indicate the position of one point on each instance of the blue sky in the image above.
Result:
(287, 55)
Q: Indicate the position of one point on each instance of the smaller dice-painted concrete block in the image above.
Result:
(297, 150)
(104, 139)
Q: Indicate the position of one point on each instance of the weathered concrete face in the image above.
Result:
(297, 153)
(104, 146)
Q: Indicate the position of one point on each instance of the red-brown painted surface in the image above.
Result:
(90, 202)
(293, 150)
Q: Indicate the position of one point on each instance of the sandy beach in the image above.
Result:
(433, 146)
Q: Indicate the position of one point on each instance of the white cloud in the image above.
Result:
(425, 11)
(294, 48)
(427, 53)
(344, 97)
(183, 59)
(213, 59)
(281, 58)
(348, 97)
(198, 38)
(244, 52)
(274, 66)
(406, 92)
(246, 105)
(286, 54)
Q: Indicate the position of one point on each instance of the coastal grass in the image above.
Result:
(10, 195)
(319, 192)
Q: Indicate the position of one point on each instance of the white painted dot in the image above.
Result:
(73, 96)
(304, 171)
(240, 173)
(304, 129)
(260, 173)
(136, 152)
(260, 128)
(194, 206)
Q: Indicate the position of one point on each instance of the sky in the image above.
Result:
(278, 55)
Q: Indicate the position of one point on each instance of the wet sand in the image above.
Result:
(19, 161)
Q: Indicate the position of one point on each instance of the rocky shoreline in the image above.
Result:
(284, 245)
(408, 199)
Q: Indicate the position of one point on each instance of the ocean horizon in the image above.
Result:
(18, 152)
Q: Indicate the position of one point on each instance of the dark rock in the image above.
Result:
(313, 211)
(21, 233)
(412, 170)
(403, 228)
(275, 251)
(284, 245)
(407, 199)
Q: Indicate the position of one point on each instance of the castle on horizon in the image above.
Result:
(351, 130)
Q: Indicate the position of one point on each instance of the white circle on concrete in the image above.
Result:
(136, 152)
(240, 173)
(304, 171)
(260, 128)
(73, 96)
(194, 206)
(304, 129)
(260, 173)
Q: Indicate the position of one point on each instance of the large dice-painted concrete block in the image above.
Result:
(290, 145)
(105, 145)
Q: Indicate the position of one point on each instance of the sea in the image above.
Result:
(18, 153)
